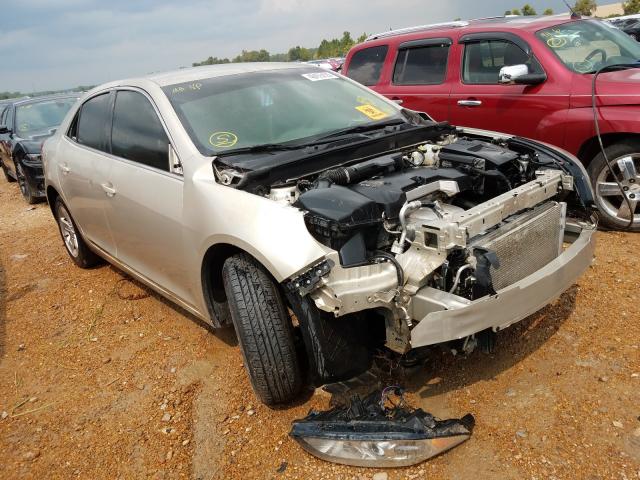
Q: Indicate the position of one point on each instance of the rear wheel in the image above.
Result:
(264, 330)
(615, 211)
(76, 247)
(9, 178)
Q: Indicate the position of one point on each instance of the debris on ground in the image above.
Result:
(378, 431)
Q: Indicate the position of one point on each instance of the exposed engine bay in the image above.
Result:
(434, 225)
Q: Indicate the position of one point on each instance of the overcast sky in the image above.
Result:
(55, 44)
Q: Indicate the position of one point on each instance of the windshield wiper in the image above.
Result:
(360, 129)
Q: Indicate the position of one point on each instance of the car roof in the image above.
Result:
(530, 23)
(194, 74)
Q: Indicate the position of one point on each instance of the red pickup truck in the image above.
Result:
(527, 76)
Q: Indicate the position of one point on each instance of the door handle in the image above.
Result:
(108, 189)
(399, 101)
(64, 169)
(469, 103)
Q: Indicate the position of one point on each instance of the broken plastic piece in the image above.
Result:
(379, 432)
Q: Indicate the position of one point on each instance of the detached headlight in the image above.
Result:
(368, 434)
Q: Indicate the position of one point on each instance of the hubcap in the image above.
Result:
(609, 195)
(68, 231)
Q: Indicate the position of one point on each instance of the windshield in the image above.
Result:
(588, 45)
(46, 115)
(295, 105)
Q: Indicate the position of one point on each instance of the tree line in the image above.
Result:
(583, 7)
(79, 88)
(335, 47)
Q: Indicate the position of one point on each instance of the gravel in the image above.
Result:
(95, 418)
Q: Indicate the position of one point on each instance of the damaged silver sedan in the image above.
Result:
(320, 219)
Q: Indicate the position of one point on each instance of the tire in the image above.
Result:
(25, 186)
(9, 178)
(264, 330)
(612, 208)
(75, 245)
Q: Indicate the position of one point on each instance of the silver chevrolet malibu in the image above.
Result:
(321, 220)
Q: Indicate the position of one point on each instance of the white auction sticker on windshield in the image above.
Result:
(315, 76)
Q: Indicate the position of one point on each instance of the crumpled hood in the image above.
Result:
(33, 142)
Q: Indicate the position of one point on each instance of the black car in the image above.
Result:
(24, 126)
(632, 29)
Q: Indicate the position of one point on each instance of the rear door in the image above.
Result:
(479, 100)
(6, 119)
(144, 206)
(418, 80)
(84, 167)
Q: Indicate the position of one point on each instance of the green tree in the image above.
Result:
(528, 10)
(362, 38)
(516, 11)
(299, 54)
(548, 11)
(585, 7)
(631, 7)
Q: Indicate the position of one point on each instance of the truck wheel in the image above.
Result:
(264, 330)
(25, 186)
(9, 178)
(73, 241)
(625, 160)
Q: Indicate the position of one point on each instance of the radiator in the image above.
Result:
(525, 243)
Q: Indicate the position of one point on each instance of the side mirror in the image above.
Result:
(519, 75)
(4, 129)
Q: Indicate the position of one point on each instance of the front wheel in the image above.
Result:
(264, 330)
(25, 185)
(615, 211)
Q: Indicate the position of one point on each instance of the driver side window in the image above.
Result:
(483, 60)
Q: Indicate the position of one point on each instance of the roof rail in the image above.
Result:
(419, 28)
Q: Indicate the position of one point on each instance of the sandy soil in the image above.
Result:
(100, 378)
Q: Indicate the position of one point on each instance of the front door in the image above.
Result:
(479, 100)
(144, 207)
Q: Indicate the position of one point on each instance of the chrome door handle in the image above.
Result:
(469, 103)
(108, 189)
(64, 169)
(399, 101)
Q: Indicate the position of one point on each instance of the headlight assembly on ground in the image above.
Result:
(369, 433)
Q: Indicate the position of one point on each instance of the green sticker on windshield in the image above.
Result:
(223, 139)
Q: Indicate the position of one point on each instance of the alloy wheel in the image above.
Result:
(69, 235)
(611, 198)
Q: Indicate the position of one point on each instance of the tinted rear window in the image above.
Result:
(366, 65)
(93, 122)
(421, 66)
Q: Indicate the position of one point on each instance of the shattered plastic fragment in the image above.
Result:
(379, 432)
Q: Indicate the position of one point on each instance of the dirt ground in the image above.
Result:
(100, 378)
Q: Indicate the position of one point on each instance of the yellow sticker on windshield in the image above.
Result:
(372, 112)
(223, 139)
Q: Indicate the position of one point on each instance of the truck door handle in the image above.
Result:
(108, 189)
(397, 100)
(469, 103)
(64, 169)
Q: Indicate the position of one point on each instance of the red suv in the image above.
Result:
(528, 76)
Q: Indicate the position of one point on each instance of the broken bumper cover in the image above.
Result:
(444, 317)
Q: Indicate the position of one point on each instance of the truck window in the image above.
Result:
(366, 65)
(421, 66)
(483, 60)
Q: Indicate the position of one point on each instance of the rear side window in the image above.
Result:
(425, 65)
(137, 133)
(366, 65)
(92, 126)
(483, 60)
